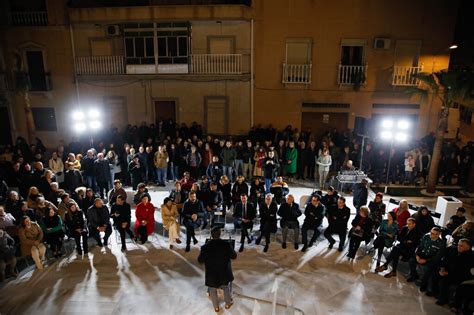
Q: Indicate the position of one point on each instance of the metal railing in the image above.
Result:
(32, 18)
(100, 65)
(348, 75)
(300, 74)
(216, 64)
(406, 76)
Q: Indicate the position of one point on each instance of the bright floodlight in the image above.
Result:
(95, 124)
(401, 137)
(93, 113)
(77, 115)
(387, 123)
(403, 124)
(453, 46)
(386, 135)
(80, 127)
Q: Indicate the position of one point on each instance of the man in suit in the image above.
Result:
(289, 212)
(244, 213)
(314, 214)
(216, 256)
(193, 217)
(268, 220)
(338, 217)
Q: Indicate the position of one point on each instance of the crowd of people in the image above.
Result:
(80, 191)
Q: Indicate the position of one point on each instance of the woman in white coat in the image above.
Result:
(324, 162)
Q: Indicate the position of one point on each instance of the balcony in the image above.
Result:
(100, 65)
(31, 18)
(297, 74)
(130, 3)
(352, 75)
(216, 64)
(206, 64)
(406, 76)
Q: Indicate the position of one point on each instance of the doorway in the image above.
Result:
(216, 115)
(36, 73)
(319, 123)
(165, 110)
(5, 128)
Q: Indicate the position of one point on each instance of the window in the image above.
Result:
(37, 78)
(44, 118)
(139, 48)
(352, 55)
(173, 43)
(298, 51)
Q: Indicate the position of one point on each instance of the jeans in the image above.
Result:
(227, 295)
(161, 173)
(227, 170)
(239, 167)
(268, 184)
(91, 182)
(173, 171)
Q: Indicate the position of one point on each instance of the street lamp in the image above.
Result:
(393, 130)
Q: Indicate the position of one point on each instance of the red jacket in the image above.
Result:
(401, 218)
(145, 212)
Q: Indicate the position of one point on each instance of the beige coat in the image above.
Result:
(28, 237)
(161, 159)
(169, 216)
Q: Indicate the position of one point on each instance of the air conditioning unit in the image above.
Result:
(382, 43)
(112, 30)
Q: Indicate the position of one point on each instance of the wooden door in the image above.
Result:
(319, 123)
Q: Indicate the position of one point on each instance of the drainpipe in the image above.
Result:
(251, 73)
(76, 83)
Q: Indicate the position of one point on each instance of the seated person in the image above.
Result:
(330, 199)
(121, 214)
(240, 187)
(257, 192)
(7, 222)
(289, 212)
(214, 170)
(465, 230)
(361, 231)
(424, 221)
(77, 228)
(314, 215)
(116, 191)
(99, 221)
(7, 255)
(408, 240)
(141, 191)
(244, 214)
(427, 255)
(145, 219)
(170, 217)
(338, 217)
(214, 203)
(225, 187)
(31, 241)
(456, 265)
(186, 182)
(13, 202)
(53, 232)
(279, 189)
(178, 196)
(377, 210)
(388, 231)
(193, 217)
(456, 220)
(268, 220)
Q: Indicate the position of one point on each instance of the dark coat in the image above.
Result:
(98, 217)
(251, 212)
(238, 190)
(102, 170)
(270, 170)
(424, 223)
(268, 218)
(314, 215)
(216, 256)
(366, 226)
(361, 194)
(121, 213)
(458, 265)
(408, 241)
(289, 213)
(76, 221)
(338, 218)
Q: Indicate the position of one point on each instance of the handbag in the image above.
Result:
(357, 232)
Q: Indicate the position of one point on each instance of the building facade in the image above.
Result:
(226, 65)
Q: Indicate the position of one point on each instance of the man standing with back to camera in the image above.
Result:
(216, 255)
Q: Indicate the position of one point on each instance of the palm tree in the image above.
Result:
(447, 87)
(22, 88)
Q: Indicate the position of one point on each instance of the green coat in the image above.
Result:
(291, 155)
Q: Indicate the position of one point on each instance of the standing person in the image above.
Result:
(311, 156)
(145, 219)
(314, 215)
(99, 221)
(135, 170)
(87, 167)
(289, 212)
(247, 157)
(57, 166)
(31, 241)
(291, 156)
(338, 217)
(409, 168)
(360, 194)
(259, 158)
(270, 170)
(239, 159)
(214, 170)
(170, 217)
(324, 163)
(228, 156)
(102, 174)
(217, 255)
(121, 214)
(77, 227)
(244, 214)
(161, 164)
(114, 164)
